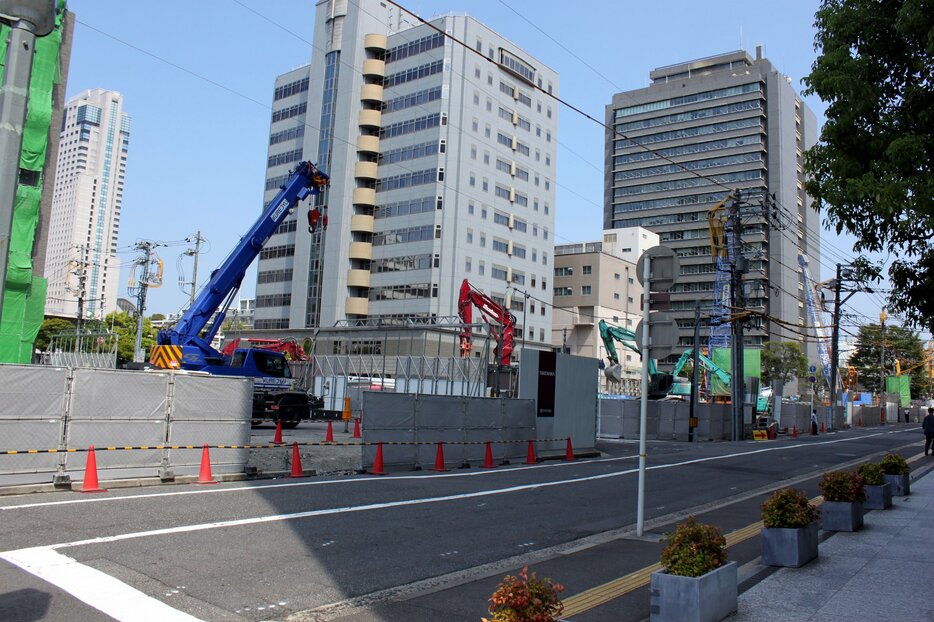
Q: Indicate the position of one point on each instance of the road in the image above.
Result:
(268, 550)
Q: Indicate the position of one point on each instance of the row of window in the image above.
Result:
(288, 113)
(405, 263)
(415, 73)
(404, 208)
(273, 300)
(711, 145)
(289, 134)
(410, 126)
(651, 221)
(516, 93)
(512, 169)
(282, 322)
(692, 165)
(517, 65)
(407, 180)
(515, 120)
(276, 182)
(273, 252)
(274, 276)
(513, 143)
(286, 227)
(688, 132)
(678, 184)
(417, 46)
(299, 86)
(410, 152)
(404, 292)
(701, 113)
(409, 234)
(500, 273)
(752, 87)
(284, 158)
(412, 99)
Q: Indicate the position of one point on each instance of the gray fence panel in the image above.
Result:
(113, 394)
(453, 449)
(611, 418)
(217, 398)
(116, 433)
(519, 414)
(198, 433)
(475, 453)
(32, 401)
(406, 454)
(435, 412)
(384, 410)
(484, 414)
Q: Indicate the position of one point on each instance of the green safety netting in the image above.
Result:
(24, 293)
(900, 385)
(722, 358)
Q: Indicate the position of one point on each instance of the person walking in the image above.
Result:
(928, 426)
(814, 423)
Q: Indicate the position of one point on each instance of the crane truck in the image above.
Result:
(187, 345)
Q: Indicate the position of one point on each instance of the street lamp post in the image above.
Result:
(882, 317)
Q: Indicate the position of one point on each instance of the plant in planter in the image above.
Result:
(697, 584)
(843, 501)
(878, 491)
(525, 598)
(789, 535)
(896, 473)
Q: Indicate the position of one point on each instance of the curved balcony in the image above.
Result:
(372, 93)
(371, 118)
(374, 68)
(368, 144)
(357, 306)
(361, 250)
(358, 278)
(376, 42)
(364, 196)
(365, 170)
(361, 223)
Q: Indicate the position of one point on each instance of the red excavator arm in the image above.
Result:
(492, 312)
(288, 347)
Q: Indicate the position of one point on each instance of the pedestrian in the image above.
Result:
(928, 426)
(814, 422)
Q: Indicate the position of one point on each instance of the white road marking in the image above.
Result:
(97, 589)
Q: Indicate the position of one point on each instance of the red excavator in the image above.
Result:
(502, 331)
(289, 347)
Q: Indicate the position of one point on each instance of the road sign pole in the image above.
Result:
(644, 405)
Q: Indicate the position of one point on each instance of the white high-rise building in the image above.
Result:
(442, 167)
(81, 261)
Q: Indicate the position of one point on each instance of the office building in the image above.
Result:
(442, 168)
(81, 263)
(700, 130)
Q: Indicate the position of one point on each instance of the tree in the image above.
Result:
(873, 169)
(124, 326)
(900, 343)
(51, 327)
(782, 361)
(157, 317)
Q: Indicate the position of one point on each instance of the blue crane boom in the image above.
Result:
(225, 281)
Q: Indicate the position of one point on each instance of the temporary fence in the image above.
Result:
(82, 349)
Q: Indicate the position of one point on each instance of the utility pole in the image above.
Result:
(695, 375)
(738, 305)
(144, 260)
(81, 271)
(882, 367)
(194, 274)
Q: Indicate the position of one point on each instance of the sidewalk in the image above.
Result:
(882, 572)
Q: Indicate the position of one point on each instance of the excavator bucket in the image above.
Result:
(614, 373)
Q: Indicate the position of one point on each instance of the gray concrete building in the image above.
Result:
(442, 168)
(700, 130)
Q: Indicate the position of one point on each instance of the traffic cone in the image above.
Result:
(277, 439)
(439, 458)
(329, 437)
(531, 455)
(823, 428)
(794, 431)
(205, 476)
(488, 459)
(378, 462)
(296, 462)
(356, 428)
(90, 474)
(569, 453)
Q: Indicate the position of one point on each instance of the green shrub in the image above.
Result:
(525, 598)
(872, 474)
(893, 464)
(844, 486)
(694, 549)
(788, 509)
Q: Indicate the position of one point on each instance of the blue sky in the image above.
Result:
(197, 79)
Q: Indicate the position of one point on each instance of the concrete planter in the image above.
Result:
(791, 548)
(878, 497)
(841, 515)
(708, 598)
(901, 485)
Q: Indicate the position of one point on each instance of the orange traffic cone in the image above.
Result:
(296, 462)
(277, 439)
(439, 458)
(205, 476)
(794, 431)
(356, 428)
(569, 453)
(378, 462)
(329, 437)
(90, 474)
(531, 455)
(823, 427)
(488, 459)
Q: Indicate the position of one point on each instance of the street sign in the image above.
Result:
(812, 379)
(664, 268)
(663, 335)
(812, 369)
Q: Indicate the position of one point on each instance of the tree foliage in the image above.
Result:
(51, 327)
(782, 361)
(873, 169)
(124, 325)
(900, 343)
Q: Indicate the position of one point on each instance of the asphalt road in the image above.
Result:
(270, 549)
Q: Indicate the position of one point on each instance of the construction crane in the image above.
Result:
(811, 298)
(721, 249)
(501, 321)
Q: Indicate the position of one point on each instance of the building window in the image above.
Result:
(587, 270)
(585, 290)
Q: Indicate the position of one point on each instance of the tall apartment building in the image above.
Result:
(442, 168)
(734, 121)
(85, 218)
(597, 281)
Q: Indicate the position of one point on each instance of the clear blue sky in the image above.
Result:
(197, 77)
